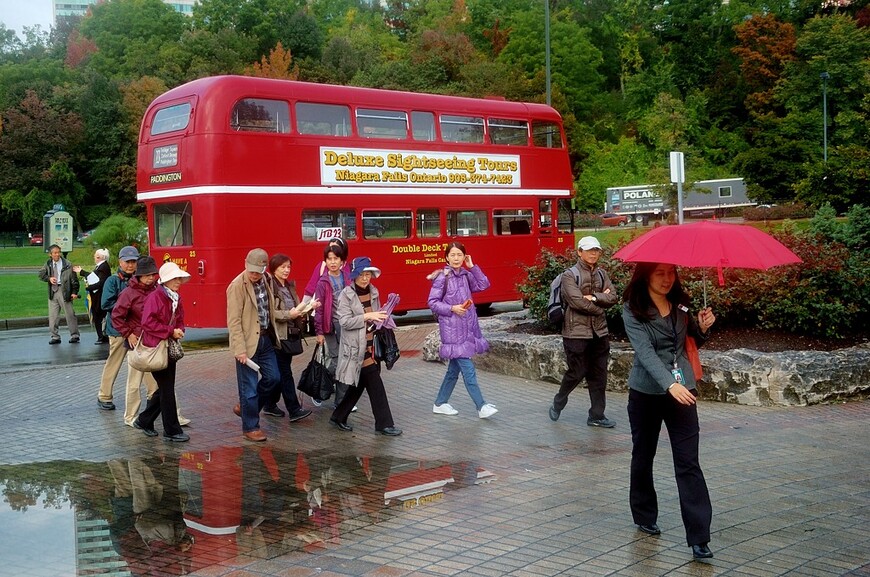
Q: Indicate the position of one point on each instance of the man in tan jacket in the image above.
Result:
(250, 310)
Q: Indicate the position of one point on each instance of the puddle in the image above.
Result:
(173, 515)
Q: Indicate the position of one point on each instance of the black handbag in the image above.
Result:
(386, 349)
(291, 346)
(316, 380)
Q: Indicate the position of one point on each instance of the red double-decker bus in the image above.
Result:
(229, 163)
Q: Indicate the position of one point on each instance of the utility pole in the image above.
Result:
(824, 76)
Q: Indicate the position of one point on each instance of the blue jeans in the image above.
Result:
(469, 375)
(253, 394)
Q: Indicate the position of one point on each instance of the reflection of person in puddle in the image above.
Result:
(271, 501)
(160, 544)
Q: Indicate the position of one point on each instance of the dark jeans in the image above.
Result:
(587, 358)
(369, 380)
(287, 390)
(162, 402)
(646, 413)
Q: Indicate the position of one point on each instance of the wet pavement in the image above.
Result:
(515, 494)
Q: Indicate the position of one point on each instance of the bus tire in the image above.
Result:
(483, 308)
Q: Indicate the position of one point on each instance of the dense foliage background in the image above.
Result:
(827, 295)
(735, 85)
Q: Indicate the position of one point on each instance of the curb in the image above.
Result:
(35, 322)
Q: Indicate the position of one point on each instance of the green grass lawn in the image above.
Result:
(24, 295)
(36, 256)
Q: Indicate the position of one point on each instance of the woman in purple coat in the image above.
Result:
(450, 301)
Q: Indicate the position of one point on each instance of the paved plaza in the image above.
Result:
(516, 494)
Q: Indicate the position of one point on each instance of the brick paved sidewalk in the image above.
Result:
(790, 486)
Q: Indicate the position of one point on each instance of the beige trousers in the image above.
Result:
(132, 400)
(56, 306)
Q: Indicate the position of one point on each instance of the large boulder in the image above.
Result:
(741, 376)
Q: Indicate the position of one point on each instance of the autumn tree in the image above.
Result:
(278, 65)
(764, 47)
(35, 137)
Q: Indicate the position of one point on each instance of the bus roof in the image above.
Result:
(231, 88)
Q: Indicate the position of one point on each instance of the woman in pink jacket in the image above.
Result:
(163, 318)
(450, 301)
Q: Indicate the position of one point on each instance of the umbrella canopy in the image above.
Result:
(708, 244)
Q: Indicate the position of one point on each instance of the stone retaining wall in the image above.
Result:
(741, 376)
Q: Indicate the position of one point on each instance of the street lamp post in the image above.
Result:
(547, 49)
(824, 76)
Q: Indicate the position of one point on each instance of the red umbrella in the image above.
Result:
(708, 244)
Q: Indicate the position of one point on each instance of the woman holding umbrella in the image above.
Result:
(662, 389)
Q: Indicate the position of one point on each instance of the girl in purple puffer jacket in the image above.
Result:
(450, 301)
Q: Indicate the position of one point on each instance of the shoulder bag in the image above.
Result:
(694, 357)
(149, 359)
(292, 345)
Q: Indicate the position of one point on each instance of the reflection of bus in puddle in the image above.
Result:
(265, 502)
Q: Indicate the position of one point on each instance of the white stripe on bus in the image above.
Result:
(385, 191)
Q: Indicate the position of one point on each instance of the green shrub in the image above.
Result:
(827, 295)
(118, 231)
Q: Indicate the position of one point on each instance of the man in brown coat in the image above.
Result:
(584, 332)
(250, 310)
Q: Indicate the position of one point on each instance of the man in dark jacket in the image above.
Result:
(95, 280)
(63, 288)
(584, 332)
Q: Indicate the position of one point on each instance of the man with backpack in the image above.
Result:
(586, 291)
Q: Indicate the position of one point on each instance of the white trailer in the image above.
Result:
(707, 198)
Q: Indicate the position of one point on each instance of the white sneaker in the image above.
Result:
(444, 409)
(487, 411)
(183, 421)
(354, 409)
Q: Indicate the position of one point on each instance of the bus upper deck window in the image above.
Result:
(260, 115)
(546, 134)
(390, 124)
(171, 118)
(323, 119)
(509, 132)
(461, 129)
(423, 126)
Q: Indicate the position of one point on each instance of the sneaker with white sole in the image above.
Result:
(444, 409)
(487, 411)
(354, 409)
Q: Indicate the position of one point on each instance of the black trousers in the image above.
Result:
(646, 413)
(162, 402)
(99, 315)
(587, 358)
(287, 390)
(369, 380)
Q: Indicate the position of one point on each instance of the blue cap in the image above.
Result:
(363, 264)
(128, 253)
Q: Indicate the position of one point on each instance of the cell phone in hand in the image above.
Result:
(467, 304)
